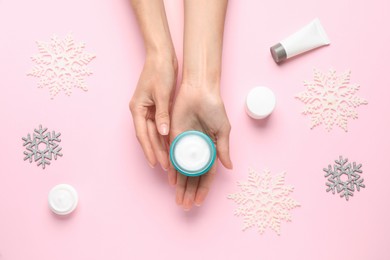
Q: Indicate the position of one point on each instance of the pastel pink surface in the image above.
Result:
(127, 210)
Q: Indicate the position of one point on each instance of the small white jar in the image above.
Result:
(192, 153)
(63, 199)
(260, 102)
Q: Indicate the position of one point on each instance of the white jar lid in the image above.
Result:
(63, 199)
(260, 102)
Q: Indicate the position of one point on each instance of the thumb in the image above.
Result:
(223, 149)
(162, 116)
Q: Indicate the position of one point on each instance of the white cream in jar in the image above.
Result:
(192, 153)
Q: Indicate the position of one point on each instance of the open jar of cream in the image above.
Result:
(192, 153)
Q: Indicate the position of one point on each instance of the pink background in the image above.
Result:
(126, 209)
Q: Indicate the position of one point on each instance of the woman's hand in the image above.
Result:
(151, 101)
(202, 109)
(150, 107)
(198, 105)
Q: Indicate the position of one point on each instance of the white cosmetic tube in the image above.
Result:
(309, 37)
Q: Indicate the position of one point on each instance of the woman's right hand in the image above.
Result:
(151, 104)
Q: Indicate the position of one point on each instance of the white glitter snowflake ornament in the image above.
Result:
(42, 147)
(330, 99)
(61, 65)
(264, 201)
(344, 178)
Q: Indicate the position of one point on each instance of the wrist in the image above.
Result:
(160, 50)
(166, 58)
(198, 100)
(200, 89)
(206, 79)
(202, 68)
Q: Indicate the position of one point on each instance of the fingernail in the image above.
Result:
(151, 165)
(197, 202)
(164, 129)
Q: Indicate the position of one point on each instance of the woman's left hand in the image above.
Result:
(199, 108)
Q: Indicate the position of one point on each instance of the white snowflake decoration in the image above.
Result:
(330, 99)
(61, 65)
(264, 201)
(344, 178)
(42, 147)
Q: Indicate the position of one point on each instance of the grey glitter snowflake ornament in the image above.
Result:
(42, 147)
(344, 178)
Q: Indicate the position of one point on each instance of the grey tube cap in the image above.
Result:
(278, 53)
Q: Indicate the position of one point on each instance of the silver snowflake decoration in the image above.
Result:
(330, 99)
(264, 201)
(42, 147)
(344, 178)
(61, 65)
